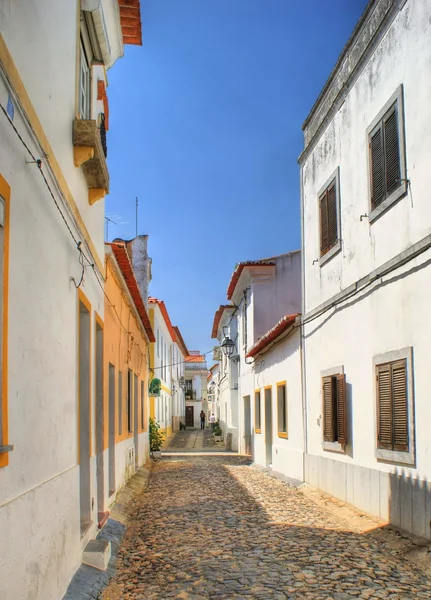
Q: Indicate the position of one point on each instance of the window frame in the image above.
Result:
(397, 456)
(333, 446)
(257, 413)
(5, 447)
(282, 434)
(84, 87)
(120, 402)
(396, 99)
(336, 247)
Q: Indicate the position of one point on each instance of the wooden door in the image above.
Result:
(190, 419)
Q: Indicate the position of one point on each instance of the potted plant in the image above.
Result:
(156, 439)
(217, 433)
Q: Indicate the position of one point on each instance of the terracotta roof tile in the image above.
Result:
(123, 260)
(180, 341)
(195, 359)
(130, 18)
(166, 318)
(239, 269)
(217, 317)
(283, 325)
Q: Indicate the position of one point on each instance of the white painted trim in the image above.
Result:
(332, 371)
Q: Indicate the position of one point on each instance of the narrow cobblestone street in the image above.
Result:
(214, 527)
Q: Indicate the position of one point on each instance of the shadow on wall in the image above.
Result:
(410, 503)
(251, 542)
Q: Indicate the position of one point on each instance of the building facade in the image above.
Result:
(366, 242)
(127, 339)
(53, 177)
(178, 381)
(196, 395)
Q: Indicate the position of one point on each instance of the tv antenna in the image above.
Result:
(115, 220)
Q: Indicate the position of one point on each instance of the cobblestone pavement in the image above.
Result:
(216, 528)
(192, 439)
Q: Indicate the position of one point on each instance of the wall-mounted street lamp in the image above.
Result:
(228, 346)
(182, 383)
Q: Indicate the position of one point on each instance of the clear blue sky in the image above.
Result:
(205, 128)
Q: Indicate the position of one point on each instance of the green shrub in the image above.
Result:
(156, 436)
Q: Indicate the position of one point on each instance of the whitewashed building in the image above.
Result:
(54, 58)
(196, 395)
(178, 380)
(260, 377)
(161, 359)
(213, 379)
(366, 241)
(226, 389)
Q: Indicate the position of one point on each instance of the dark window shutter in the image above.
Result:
(377, 167)
(399, 394)
(341, 410)
(328, 412)
(324, 243)
(392, 152)
(384, 408)
(332, 215)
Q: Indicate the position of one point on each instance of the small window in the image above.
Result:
(257, 412)
(158, 344)
(120, 403)
(282, 410)
(329, 234)
(334, 409)
(392, 407)
(387, 168)
(84, 85)
(385, 157)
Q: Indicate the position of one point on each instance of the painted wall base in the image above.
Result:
(288, 461)
(394, 497)
(233, 431)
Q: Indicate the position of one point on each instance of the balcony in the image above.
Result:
(89, 152)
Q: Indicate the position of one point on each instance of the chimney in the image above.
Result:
(141, 263)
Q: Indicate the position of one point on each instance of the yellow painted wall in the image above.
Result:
(121, 340)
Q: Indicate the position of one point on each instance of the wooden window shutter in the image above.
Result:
(324, 233)
(384, 408)
(341, 410)
(392, 152)
(332, 215)
(377, 167)
(328, 412)
(400, 410)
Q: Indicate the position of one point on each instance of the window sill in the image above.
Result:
(393, 456)
(283, 435)
(4, 449)
(334, 447)
(330, 254)
(258, 431)
(388, 202)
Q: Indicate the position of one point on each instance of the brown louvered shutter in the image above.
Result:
(341, 410)
(328, 409)
(392, 152)
(384, 407)
(323, 224)
(400, 411)
(332, 215)
(377, 167)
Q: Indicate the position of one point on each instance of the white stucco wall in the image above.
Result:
(391, 313)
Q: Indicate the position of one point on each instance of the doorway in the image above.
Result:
(135, 421)
(129, 400)
(111, 430)
(84, 387)
(190, 418)
(100, 420)
(268, 426)
(247, 426)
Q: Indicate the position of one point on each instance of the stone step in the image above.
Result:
(97, 554)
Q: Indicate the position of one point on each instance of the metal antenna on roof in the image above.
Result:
(136, 216)
(116, 220)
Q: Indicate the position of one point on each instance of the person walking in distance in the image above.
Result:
(202, 415)
(212, 421)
